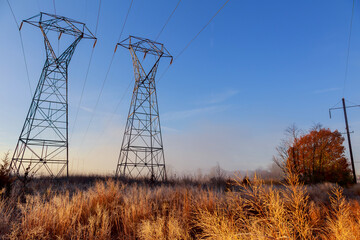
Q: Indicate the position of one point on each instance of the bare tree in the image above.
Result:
(291, 135)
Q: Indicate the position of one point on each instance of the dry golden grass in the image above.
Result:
(112, 210)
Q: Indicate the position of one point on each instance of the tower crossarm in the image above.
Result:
(145, 46)
(63, 25)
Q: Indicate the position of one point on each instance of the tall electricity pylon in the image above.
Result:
(142, 153)
(43, 143)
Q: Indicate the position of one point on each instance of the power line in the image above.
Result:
(87, 71)
(110, 119)
(348, 49)
(54, 6)
(97, 19)
(117, 106)
(124, 93)
(82, 92)
(186, 47)
(349, 101)
(107, 73)
(127, 14)
(22, 47)
(88, 68)
(167, 21)
(336, 104)
(193, 39)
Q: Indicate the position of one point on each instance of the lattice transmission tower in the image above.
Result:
(142, 152)
(43, 143)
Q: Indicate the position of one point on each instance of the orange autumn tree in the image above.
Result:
(316, 156)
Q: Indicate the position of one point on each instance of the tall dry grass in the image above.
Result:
(113, 210)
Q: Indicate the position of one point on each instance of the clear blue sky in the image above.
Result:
(256, 69)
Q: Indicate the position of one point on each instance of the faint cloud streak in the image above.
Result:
(219, 97)
(87, 109)
(326, 90)
(192, 112)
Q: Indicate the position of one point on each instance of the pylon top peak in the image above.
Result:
(63, 25)
(145, 45)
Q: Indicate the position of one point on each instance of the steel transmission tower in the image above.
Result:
(142, 153)
(43, 143)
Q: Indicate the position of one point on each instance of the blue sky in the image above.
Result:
(259, 67)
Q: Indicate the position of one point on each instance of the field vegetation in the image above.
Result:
(100, 208)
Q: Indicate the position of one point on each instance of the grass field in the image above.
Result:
(100, 208)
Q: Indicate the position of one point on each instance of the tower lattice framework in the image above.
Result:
(43, 143)
(142, 152)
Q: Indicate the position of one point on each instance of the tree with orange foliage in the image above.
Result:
(316, 156)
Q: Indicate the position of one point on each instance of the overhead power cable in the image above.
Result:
(106, 75)
(336, 104)
(351, 102)
(122, 98)
(124, 93)
(127, 15)
(54, 6)
(118, 105)
(167, 21)
(87, 71)
(22, 46)
(110, 119)
(348, 48)
(193, 39)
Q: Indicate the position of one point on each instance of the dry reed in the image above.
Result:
(112, 210)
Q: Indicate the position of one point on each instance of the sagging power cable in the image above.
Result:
(87, 72)
(348, 48)
(106, 75)
(167, 21)
(162, 29)
(193, 39)
(110, 119)
(54, 6)
(22, 46)
(121, 99)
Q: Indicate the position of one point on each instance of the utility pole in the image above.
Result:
(142, 152)
(349, 140)
(43, 142)
(348, 134)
